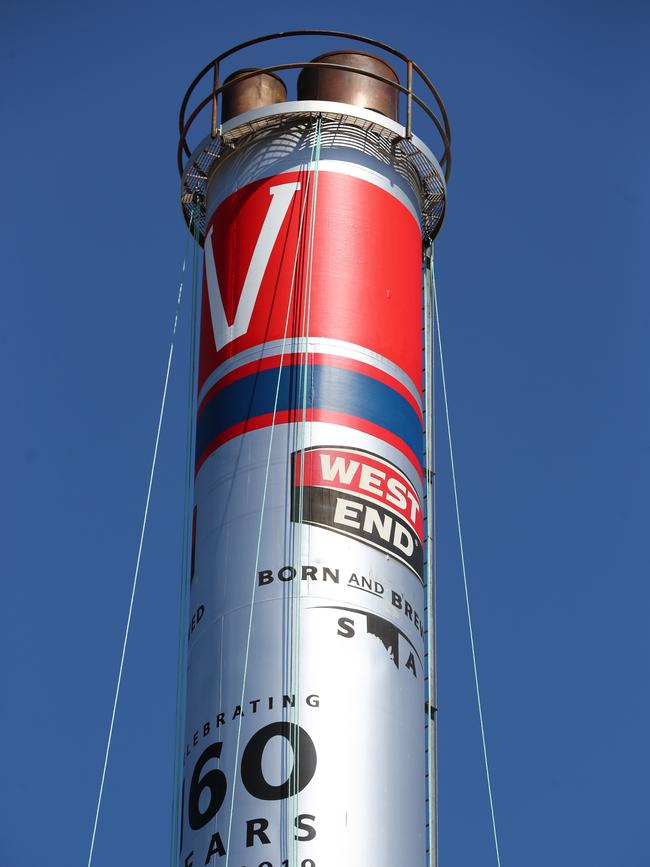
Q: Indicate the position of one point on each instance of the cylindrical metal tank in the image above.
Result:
(246, 94)
(350, 87)
(304, 740)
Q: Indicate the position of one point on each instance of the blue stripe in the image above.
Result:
(330, 388)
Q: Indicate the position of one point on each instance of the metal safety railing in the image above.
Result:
(210, 75)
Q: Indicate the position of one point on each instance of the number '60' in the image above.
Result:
(215, 783)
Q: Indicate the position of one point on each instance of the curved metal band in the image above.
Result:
(323, 345)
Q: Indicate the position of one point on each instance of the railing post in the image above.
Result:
(409, 99)
(215, 87)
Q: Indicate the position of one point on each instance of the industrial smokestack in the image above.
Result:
(304, 741)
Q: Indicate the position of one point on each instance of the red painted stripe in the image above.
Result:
(366, 282)
(325, 415)
(273, 361)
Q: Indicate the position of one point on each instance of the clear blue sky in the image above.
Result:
(543, 273)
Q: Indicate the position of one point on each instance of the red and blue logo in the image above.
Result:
(363, 355)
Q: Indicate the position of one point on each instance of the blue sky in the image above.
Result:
(543, 274)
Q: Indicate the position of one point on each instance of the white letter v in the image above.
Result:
(281, 196)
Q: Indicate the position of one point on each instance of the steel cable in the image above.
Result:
(262, 509)
(136, 571)
(430, 460)
(463, 567)
(184, 572)
(301, 428)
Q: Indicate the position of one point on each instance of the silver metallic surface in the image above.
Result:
(360, 701)
(350, 680)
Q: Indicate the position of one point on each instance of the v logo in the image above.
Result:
(281, 196)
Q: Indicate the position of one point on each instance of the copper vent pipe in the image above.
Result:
(254, 92)
(351, 87)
